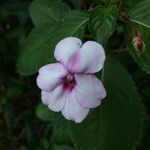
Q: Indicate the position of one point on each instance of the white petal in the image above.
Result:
(66, 48)
(50, 76)
(72, 110)
(89, 59)
(54, 99)
(89, 90)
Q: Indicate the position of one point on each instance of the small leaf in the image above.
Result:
(140, 13)
(117, 123)
(46, 11)
(45, 114)
(102, 23)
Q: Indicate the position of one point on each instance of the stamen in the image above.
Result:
(69, 77)
(69, 82)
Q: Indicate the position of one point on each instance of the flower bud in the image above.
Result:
(138, 43)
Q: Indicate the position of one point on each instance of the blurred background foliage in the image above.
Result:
(29, 31)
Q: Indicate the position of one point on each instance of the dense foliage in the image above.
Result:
(29, 31)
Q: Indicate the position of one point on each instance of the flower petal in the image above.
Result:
(89, 59)
(72, 110)
(89, 90)
(50, 76)
(55, 99)
(66, 48)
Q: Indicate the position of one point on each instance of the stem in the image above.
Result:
(120, 5)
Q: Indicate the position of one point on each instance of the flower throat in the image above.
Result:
(69, 82)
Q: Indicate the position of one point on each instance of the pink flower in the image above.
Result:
(70, 85)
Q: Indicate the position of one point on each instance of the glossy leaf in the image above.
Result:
(117, 123)
(140, 13)
(102, 23)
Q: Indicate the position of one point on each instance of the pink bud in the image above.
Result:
(138, 43)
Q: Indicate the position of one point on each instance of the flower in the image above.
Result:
(70, 85)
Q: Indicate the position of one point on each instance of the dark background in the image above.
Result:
(20, 126)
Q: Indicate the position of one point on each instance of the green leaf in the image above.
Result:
(145, 144)
(47, 11)
(39, 47)
(35, 50)
(45, 114)
(142, 59)
(118, 122)
(102, 23)
(60, 130)
(74, 24)
(130, 3)
(140, 13)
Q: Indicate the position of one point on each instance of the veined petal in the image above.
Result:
(89, 59)
(54, 99)
(50, 76)
(66, 48)
(73, 110)
(89, 90)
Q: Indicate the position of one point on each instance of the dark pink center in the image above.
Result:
(69, 82)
